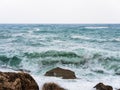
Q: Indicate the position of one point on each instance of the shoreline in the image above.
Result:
(69, 84)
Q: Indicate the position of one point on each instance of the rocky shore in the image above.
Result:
(24, 81)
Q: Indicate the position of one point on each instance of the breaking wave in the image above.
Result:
(96, 62)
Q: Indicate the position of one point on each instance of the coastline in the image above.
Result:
(69, 84)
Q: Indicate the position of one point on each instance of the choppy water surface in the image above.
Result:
(90, 50)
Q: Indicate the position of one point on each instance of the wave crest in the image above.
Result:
(51, 53)
(12, 61)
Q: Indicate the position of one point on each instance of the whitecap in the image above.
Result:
(17, 34)
(96, 27)
(36, 29)
(80, 37)
(116, 39)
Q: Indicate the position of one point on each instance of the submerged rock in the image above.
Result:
(101, 86)
(59, 72)
(52, 86)
(17, 81)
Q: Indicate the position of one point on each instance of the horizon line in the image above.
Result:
(59, 23)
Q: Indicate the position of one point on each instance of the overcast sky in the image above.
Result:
(59, 11)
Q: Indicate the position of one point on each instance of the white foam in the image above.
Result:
(36, 29)
(115, 39)
(110, 40)
(67, 84)
(18, 34)
(74, 84)
(4, 69)
(78, 84)
(96, 27)
(80, 37)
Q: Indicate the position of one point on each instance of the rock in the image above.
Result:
(101, 86)
(52, 86)
(59, 72)
(17, 81)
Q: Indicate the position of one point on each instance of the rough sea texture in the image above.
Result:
(92, 51)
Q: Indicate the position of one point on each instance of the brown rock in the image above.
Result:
(17, 81)
(59, 72)
(51, 86)
(101, 86)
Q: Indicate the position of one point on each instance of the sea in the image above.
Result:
(92, 51)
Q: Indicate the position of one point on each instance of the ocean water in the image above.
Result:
(92, 51)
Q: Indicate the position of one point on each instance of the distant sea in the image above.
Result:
(92, 51)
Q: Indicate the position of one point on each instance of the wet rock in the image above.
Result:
(52, 86)
(17, 81)
(59, 72)
(101, 86)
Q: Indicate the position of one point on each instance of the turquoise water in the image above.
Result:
(88, 49)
